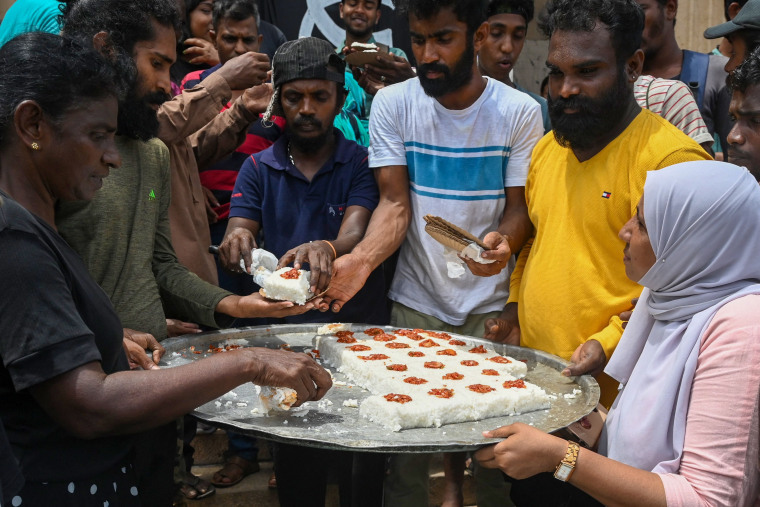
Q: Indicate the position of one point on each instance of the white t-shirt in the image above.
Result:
(459, 162)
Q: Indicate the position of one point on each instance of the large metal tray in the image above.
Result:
(339, 427)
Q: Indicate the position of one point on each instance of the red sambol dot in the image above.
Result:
(429, 343)
(415, 380)
(359, 348)
(415, 353)
(373, 357)
(469, 362)
(442, 393)
(396, 367)
(446, 352)
(408, 333)
(373, 331)
(457, 342)
(453, 376)
(434, 364)
(441, 336)
(397, 345)
(346, 339)
(499, 359)
(398, 398)
(480, 388)
(344, 334)
(384, 337)
(480, 349)
(520, 384)
(490, 372)
(292, 274)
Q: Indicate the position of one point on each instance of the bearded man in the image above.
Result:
(585, 182)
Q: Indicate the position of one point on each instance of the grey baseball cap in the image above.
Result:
(748, 18)
(307, 58)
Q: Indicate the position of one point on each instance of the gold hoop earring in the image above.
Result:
(35, 146)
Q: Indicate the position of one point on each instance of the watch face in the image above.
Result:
(563, 472)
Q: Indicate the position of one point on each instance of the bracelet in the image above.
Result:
(335, 252)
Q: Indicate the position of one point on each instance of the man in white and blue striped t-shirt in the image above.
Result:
(455, 144)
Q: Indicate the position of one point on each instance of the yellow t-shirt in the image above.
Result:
(570, 280)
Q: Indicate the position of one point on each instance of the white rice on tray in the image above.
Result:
(506, 395)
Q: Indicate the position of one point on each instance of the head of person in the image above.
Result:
(446, 35)
(683, 208)
(593, 61)
(236, 28)
(507, 28)
(198, 19)
(743, 32)
(732, 7)
(58, 110)
(139, 37)
(744, 137)
(659, 24)
(308, 79)
(360, 17)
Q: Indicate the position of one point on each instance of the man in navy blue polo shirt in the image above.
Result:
(311, 194)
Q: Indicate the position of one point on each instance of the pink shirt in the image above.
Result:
(720, 463)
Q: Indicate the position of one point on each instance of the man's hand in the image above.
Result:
(281, 368)
(246, 70)
(524, 452)
(256, 98)
(176, 327)
(201, 51)
(236, 245)
(369, 84)
(505, 328)
(626, 316)
(135, 345)
(589, 358)
(349, 275)
(390, 69)
(319, 255)
(498, 250)
(255, 305)
(211, 203)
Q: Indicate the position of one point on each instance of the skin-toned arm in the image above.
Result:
(514, 230)
(239, 240)
(320, 255)
(527, 451)
(385, 233)
(91, 404)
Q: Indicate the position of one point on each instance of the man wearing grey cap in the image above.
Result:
(742, 32)
(311, 194)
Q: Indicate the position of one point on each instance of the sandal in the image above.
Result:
(235, 469)
(197, 488)
(272, 484)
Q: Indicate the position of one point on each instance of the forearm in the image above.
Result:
(615, 484)
(385, 233)
(222, 135)
(516, 226)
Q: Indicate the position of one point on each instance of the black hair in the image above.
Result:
(57, 73)
(237, 10)
(747, 74)
(624, 19)
(727, 3)
(379, 2)
(524, 8)
(470, 12)
(126, 21)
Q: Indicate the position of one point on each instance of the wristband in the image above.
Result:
(335, 252)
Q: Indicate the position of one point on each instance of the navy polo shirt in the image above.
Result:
(293, 210)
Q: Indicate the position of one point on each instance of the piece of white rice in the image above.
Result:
(288, 289)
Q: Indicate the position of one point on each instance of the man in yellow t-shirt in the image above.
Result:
(584, 183)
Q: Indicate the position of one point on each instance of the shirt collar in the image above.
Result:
(277, 157)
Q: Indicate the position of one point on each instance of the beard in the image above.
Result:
(595, 118)
(453, 78)
(137, 119)
(310, 144)
(360, 34)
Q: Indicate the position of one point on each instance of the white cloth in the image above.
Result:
(703, 221)
(459, 162)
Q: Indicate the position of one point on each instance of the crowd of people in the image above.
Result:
(620, 210)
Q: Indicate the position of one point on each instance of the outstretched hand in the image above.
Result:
(498, 251)
(136, 343)
(524, 452)
(298, 371)
(588, 359)
(319, 255)
(505, 328)
(348, 277)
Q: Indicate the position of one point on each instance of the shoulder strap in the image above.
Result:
(694, 73)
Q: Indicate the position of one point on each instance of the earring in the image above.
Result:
(35, 146)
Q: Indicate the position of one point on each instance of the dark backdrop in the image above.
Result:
(320, 18)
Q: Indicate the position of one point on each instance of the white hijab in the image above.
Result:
(703, 220)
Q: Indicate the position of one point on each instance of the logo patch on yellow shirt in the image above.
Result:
(606, 195)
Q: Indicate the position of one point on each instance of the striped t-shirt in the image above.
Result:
(459, 163)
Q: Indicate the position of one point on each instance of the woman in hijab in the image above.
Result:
(684, 427)
(68, 402)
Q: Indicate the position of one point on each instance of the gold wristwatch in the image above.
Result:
(566, 467)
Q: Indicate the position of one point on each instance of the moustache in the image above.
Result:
(433, 67)
(303, 121)
(157, 97)
(580, 104)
